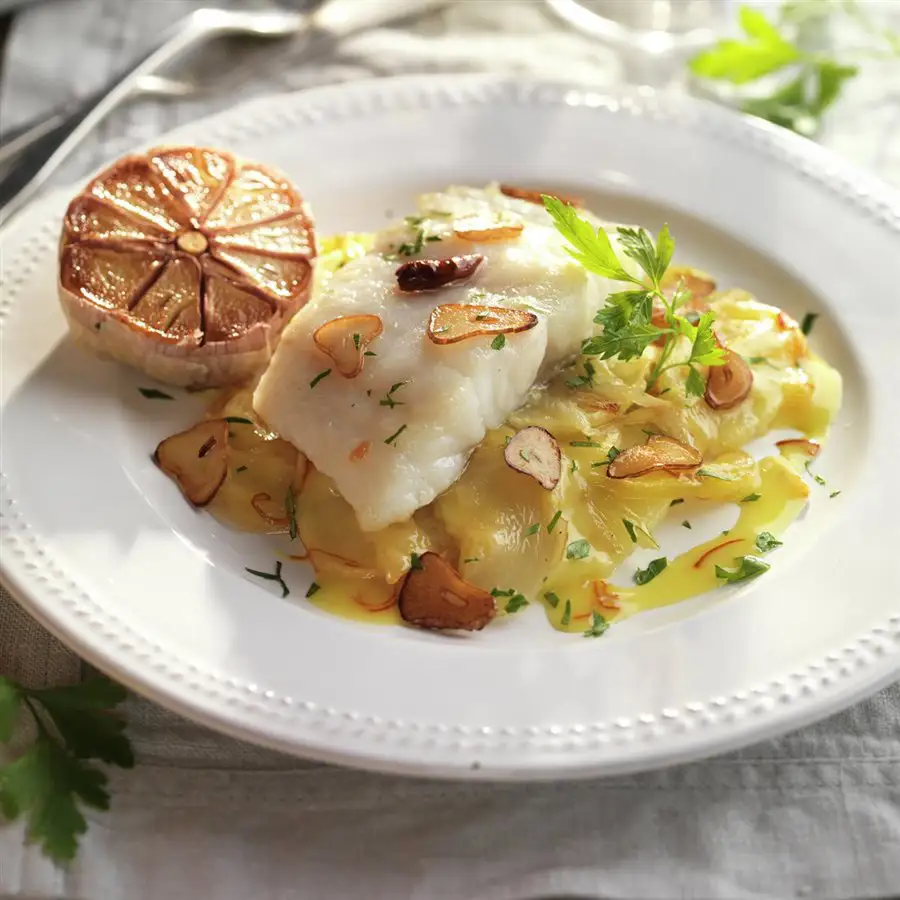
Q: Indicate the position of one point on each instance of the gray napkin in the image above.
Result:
(816, 813)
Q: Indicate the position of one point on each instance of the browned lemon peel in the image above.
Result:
(730, 384)
(346, 339)
(419, 275)
(454, 322)
(661, 453)
(534, 451)
(196, 460)
(435, 596)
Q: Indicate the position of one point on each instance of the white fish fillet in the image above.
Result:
(451, 394)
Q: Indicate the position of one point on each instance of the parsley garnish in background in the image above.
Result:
(552, 599)
(53, 778)
(629, 527)
(627, 317)
(552, 523)
(642, 576)
(811, 82)
(749, 567)
(567, 614)
(533, 530)
(499, 342)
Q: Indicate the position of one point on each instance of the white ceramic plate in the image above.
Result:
(100, 547)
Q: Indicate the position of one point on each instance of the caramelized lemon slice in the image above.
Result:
(186, 262)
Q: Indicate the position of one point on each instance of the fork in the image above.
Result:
(17, 140)
(46, 153)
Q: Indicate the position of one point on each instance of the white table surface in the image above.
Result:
(816, 813)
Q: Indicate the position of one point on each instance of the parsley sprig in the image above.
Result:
(814, 80)
(627, 317)
(54, 777)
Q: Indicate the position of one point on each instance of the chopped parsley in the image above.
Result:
(272, 576)
(686, 524)
(552, 599)
(389, 396)
(611, 454)
(599, 626)
(241, 469)
(370, 353)
(629, 527)
(705, 473)
(833, 494)
(515, 603)
(415, 561)
(552, 523)
(766, 541)
(817, 478)
(533, 530)
(751, 498)
(395, 435)
(154, 394)
(319, 377)
(809, 320)
(415, 247)
(676, 501)
(496, 592)
(749, 567)
(314, 588)
(472, 559)
(499, 342)
(567, 614)
(432, 238)
(238, 420)
(585, 444)
(642, 576)
(578, 549)
(585, 380)
(356, 341)
(290, 507)
(573, 466)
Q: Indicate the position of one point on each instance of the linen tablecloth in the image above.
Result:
(816, 813)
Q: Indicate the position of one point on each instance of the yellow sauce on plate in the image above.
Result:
(502, 531)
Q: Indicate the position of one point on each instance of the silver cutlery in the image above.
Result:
(334, 19)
